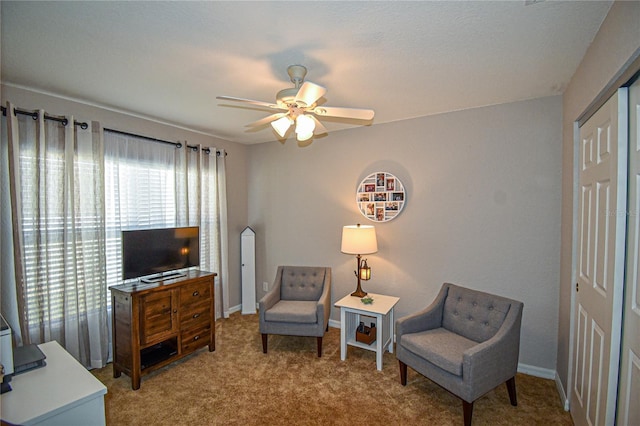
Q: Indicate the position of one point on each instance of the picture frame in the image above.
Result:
(380, 197)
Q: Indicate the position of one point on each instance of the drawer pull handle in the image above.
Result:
(196, 338)
(196, 316)
(196, 293)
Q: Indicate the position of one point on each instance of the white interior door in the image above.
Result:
(628, 401)
(600, 274)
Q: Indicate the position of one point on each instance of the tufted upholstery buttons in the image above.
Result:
(470, 318)
(455, 313)
(302, 283)
(475, 303)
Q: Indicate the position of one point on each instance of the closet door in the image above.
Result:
(600, 274)
(628, 407)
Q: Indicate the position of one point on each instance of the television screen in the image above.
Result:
(154, 251)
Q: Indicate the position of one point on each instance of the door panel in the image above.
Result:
(600, 275)
(628, 406)
(603, 237)
(597, 360)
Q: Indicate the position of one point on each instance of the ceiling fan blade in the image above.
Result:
(267, 120)
(319, 129)
(309, 93)
(249, 101)
(357, 113)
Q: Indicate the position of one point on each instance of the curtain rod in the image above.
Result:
(176, 144)
(84, 126)
(34, 115)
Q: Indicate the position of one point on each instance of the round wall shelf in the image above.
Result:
(380, 197)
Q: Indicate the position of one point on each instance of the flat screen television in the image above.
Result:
(158, 251)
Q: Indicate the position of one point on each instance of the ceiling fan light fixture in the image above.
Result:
(304, 125)
(304, 136)
(281, 125)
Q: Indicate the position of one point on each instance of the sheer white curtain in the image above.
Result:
(207, 207)
(152, 185)
(56, 180)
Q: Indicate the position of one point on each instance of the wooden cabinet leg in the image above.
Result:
(135, 381)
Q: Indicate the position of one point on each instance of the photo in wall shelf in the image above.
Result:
(380, 197)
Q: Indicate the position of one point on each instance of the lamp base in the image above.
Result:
(359, 293)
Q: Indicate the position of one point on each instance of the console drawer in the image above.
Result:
(195, 338)
(195, 292)
(193, 315)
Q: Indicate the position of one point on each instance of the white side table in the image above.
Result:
(61, 393)
(381, 309)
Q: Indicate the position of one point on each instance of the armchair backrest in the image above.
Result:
(474, 314)
(301, 282)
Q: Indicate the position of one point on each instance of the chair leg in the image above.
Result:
(403, 373)
(319, 347)
(264, 343)
(511, 387)
(467, 410)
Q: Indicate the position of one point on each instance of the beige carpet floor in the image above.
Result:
(238, 384)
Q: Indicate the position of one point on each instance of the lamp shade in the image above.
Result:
(359, 239)
(281, 125)
(305, 125)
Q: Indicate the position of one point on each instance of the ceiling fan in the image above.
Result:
(300, 108)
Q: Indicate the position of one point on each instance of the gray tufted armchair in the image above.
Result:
(299, 304)
(466, 341)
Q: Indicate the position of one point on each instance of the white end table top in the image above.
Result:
(382, 304)
(61, 384)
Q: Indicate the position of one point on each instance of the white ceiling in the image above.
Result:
(169, 60)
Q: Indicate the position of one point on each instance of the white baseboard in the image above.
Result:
(564, 400)
(544, 373)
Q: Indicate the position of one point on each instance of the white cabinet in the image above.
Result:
(61, 393)
(248, 261)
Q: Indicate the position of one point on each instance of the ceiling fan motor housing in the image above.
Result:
(286, 97)
(297, 73)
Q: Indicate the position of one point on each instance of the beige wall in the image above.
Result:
(236, 159)
(482, 210)
(616, 42)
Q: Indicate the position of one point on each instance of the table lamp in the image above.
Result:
(359, 239)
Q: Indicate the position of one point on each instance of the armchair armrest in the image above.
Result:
(496, 359)
(270, 299)
(324, 303)
(426, 319)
